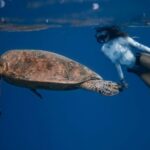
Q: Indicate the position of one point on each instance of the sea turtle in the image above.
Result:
(38, 69)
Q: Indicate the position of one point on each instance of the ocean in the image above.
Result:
(77, 119)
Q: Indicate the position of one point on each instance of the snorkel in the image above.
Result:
(107, 33)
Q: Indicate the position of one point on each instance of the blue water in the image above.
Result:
(79, 119)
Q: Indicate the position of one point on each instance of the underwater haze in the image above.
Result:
(77, 119)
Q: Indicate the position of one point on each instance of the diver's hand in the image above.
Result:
(123, 84)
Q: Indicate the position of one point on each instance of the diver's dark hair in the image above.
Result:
(113, 32)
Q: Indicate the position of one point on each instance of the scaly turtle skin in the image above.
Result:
(37, 69)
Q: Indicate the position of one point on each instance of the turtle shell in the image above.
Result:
(44, 67)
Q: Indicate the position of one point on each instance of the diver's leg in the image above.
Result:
(146, 78)
(143, 60)
(142, 67)
(142, 64)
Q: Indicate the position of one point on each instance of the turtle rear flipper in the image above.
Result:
(36, 93)
(107, 88)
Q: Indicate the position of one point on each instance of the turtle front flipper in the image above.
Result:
(110, 88)
(107, 88)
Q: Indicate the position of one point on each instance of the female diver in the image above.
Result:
(118, 46)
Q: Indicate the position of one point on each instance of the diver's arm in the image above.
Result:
(119, 70)
(135, 44)
(121, 76)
